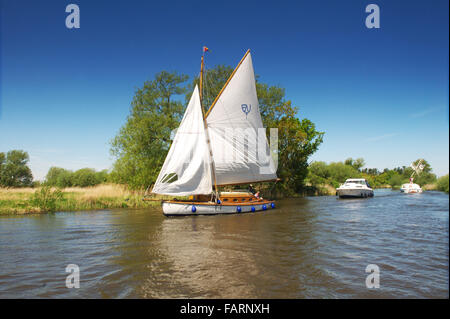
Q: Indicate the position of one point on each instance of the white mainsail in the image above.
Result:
(187, 168)
(238, 139)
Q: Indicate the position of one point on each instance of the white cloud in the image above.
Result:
(380, 137)
(425, 112)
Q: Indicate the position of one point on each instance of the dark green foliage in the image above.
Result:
(395, 180)
(297, 140)
(14, 171)
(85, 177)
(59, 177)
(356, 164)
(102, 176)
(335, 173)
(214, 80)
(442, 183)
(425, 176)
(370, 171)
(400, 175)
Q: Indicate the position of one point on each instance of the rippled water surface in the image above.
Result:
(315, 247)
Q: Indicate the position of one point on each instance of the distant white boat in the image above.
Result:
(355, 187)
(411, 187)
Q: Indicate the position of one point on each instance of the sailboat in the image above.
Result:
(411, 187)
(225, 146)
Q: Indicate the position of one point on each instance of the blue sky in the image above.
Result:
(381, 94)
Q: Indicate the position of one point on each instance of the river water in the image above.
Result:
(313, 247)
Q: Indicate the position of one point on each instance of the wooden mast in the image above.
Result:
(213, 168)
(201, 84)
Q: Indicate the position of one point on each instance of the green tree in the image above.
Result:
(356, 164)
(142, 143)
(425, 176)
(442, 183)
(84, 177)
(395, 179)
(102, 176)
(214, 80)
(59, 177)
(14, 170)
(340, 172)
(334, 173)
(297, 140)
(319, 169)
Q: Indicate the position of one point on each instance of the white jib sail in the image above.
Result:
(187, 168)
(238, 139)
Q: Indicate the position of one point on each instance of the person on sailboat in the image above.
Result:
(253, 191)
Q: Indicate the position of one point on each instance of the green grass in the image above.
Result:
(45, 199)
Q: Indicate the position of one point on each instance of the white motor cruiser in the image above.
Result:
(355, 187)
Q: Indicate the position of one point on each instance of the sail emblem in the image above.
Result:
(246, 109)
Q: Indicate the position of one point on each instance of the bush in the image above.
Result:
(319, 169)
(339, 172)
(442, 183)
(62, 178)
(85, 177)
(425, 178)
(58, 177)
(321, 173)
(395, 180)
(46, 198)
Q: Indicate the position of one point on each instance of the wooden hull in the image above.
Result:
(179, 208)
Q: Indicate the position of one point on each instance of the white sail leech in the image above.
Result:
(187, 167)
(240, 154)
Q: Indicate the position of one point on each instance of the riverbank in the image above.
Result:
(42, 199)
(18, 201)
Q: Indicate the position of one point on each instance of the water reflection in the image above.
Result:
(221, 256)
(307, 248)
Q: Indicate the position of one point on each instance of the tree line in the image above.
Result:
(14, 172)
(60, 177)
(335, 173)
